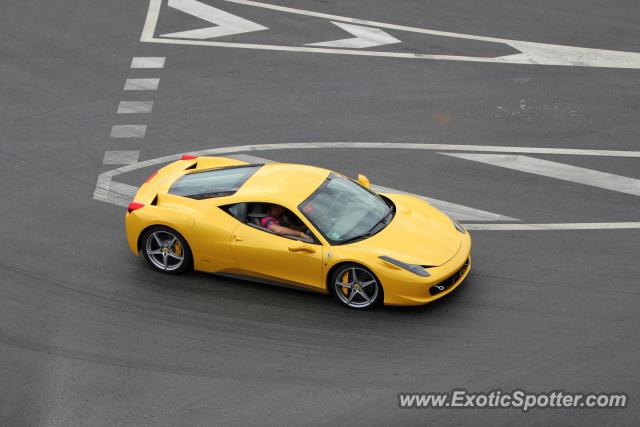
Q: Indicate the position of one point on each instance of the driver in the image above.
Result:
(278, 222)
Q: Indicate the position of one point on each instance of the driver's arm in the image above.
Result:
(279, 229)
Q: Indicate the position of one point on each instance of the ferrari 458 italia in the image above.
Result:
(297, 225)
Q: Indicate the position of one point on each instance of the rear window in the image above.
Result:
(213, 183)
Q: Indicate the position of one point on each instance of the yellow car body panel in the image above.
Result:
(220, 243)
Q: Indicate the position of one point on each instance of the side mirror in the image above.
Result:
(364, 181)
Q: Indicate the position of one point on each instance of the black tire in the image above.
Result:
(165, 250)
(368, 289)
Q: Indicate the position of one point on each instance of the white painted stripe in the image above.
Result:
(250, 159)
(555, 226)
(115, 193)
(120, 157)
(105, 179)
(531, 53)
(364, 37)
(128, 131)
(411, 146)
(135, 107)
(151, 21)
(593, 178)
(148, 62)
(509, 59)
(381, 145)
(141, 84)
(226, 23)
(458, 212)
(363, 21)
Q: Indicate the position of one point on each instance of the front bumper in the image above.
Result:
(419, 291)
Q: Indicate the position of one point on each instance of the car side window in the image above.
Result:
(257, 212)
(237, 210)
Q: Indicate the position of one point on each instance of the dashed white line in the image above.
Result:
(128, 131)
(142, 84)
(114, 157)
(148, 62)
(135, 107)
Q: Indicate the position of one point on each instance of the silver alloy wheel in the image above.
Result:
(360, 289)
(164, 250)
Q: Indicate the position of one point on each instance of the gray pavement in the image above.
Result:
(90, 336)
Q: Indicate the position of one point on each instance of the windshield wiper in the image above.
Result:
(383, 220)
(371, 232)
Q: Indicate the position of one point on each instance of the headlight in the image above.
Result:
(414, 268)
(457, 225)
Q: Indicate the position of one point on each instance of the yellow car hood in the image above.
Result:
(418, 234)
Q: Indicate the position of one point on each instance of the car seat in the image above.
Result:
(257, 211)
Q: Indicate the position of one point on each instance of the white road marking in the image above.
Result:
(364, 37)
(128, 131)
(250, 159)
(413, 146)
(113, 192)
(148, 62)
(151, 21)
(226, 23)
(141, 84)
(135, 107)
(607, 181)
(555, 227)
(459, 212)
(530, 53)
(120, 157)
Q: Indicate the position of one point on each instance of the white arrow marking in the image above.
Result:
(607, 181)
(531, 53)
(364, 37)
(549, 54)
(226, 23)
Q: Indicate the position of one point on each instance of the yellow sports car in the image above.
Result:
(297, 225)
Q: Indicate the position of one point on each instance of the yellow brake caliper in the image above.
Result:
(177, 248)
(345, 279)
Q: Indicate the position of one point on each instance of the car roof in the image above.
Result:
(282, 183)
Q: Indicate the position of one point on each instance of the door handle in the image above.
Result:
(302, 248)
(237, 238)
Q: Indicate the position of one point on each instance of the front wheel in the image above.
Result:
(356, 287)
(166, 250)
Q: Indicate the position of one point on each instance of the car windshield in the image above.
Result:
(344, 211)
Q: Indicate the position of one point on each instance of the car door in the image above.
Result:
(264, 254)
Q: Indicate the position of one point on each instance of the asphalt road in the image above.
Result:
(90, 336)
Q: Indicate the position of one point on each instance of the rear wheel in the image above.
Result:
(166, 250)
(355, 286)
